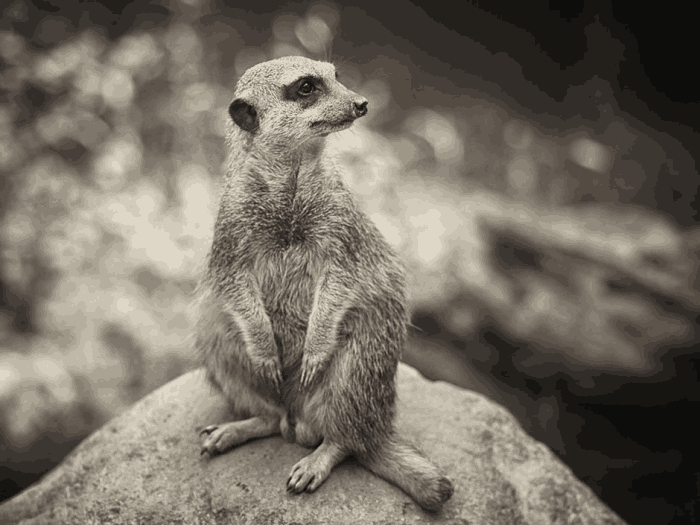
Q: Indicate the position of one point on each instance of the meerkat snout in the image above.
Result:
(360, 107)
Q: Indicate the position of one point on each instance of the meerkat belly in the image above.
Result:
(287, 280)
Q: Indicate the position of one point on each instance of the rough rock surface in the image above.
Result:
(144, 467)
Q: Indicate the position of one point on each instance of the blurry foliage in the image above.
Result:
(110, 155)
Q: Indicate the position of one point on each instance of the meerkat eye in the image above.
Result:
(307, 88)
(336, 75)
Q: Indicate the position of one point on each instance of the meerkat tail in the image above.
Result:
(403, 465)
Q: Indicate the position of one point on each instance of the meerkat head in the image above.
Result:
(290, 100)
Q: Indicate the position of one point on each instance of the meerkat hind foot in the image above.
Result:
(313, 469)
(217, 439)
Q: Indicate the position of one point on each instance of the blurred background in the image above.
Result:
(535, 166)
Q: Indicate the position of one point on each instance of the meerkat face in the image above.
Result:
(291, 100)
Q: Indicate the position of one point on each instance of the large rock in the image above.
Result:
(144, 467)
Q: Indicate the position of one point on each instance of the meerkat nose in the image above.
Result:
(360, 107)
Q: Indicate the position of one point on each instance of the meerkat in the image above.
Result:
(303, 303)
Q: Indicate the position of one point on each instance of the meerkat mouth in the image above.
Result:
(341, 124)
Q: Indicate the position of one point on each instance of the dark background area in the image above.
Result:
(629, 438)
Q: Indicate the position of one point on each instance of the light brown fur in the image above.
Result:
(303, 313)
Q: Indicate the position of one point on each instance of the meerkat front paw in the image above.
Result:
(311, 365)
(270, 369)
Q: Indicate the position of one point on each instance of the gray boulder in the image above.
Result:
(144, 467)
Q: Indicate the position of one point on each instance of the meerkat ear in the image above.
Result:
(244, 114)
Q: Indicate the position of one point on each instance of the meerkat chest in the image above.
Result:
(288, 238)
(277, 226)
(287, 276)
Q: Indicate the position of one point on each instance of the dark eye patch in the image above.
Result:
(297, 89)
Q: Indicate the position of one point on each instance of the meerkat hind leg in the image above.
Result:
(313, 469)
(217, 439)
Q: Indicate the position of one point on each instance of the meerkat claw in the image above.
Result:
(278, 379)
(308, 373)
(271, 371)
(208, 430)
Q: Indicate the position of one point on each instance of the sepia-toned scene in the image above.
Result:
(545, 206)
